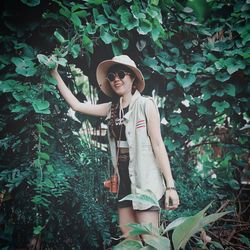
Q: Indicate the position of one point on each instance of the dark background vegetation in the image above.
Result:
(194, 54)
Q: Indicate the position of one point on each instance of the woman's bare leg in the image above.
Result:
(126, 215)
(147, 217)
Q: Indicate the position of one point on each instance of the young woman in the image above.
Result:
(137, 149)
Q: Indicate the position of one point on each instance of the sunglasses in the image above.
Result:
(121, 74)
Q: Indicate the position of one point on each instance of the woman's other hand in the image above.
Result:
(172, 200)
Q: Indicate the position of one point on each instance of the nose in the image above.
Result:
(116, 77)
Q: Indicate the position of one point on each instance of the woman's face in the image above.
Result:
(120, 79)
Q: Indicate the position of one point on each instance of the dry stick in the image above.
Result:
(245, 209)
(224, 241)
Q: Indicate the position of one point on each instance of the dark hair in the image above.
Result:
(117, 67)
(112, 119)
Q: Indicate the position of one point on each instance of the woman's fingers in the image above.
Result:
(172, 200)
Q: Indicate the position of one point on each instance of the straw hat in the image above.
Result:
(103, 67)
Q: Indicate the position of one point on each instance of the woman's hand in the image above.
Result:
(53, 71)
(171, 199)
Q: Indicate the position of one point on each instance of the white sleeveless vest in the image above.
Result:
(144, 171)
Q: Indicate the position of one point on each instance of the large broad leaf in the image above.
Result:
(211, 218)
(159, 243)
(193, 225)
(174, 224)
(187, 229)
(138, 229)
(128, 244)
(185, 80)
(24, 66)
(145, 197)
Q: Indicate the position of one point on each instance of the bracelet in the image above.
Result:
(170, 188)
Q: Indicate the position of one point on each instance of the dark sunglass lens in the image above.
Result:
(111, 77)
(121, 74)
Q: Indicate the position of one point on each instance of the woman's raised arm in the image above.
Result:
(75, 104)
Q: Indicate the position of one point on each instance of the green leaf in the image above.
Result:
(145, 197)
(31, 3)
(75, 50)
(145, 27)
(61, 61)
(220, 106)
(181, 129)
(138, 229)
(105, 36)
(100, 20)
(41, 106)
(51, 64)
(174, 224)
(37, 230)
(24, 66)
(41, 129)
(230, 89)
(91, 28)
(154, 2)
(127, 18)
(117, 48)
(243, 239)
(43, 156)
(157, 30)
(234, 65)
(185, 80)
(7, 85)
(44, 142)
(50, 168)
(222, 76)
(217, 245)
(203, 110)
(95, 2)
(59, 37)
(48, 125)
(124, 42)
(75, 20)
(187, 229)
(88, 44)
(128, 244)
(49, 183)
(159, 243)
(234, 184)
(211, 218)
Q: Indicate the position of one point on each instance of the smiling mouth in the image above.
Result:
(118, 84)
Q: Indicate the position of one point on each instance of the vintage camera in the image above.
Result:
(112, 184)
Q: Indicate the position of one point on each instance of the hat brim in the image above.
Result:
(102, 71)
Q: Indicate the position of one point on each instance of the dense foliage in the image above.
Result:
(195, 56)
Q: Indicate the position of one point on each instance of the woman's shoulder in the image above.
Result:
(146, 100)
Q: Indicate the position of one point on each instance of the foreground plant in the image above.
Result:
(183, 228)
